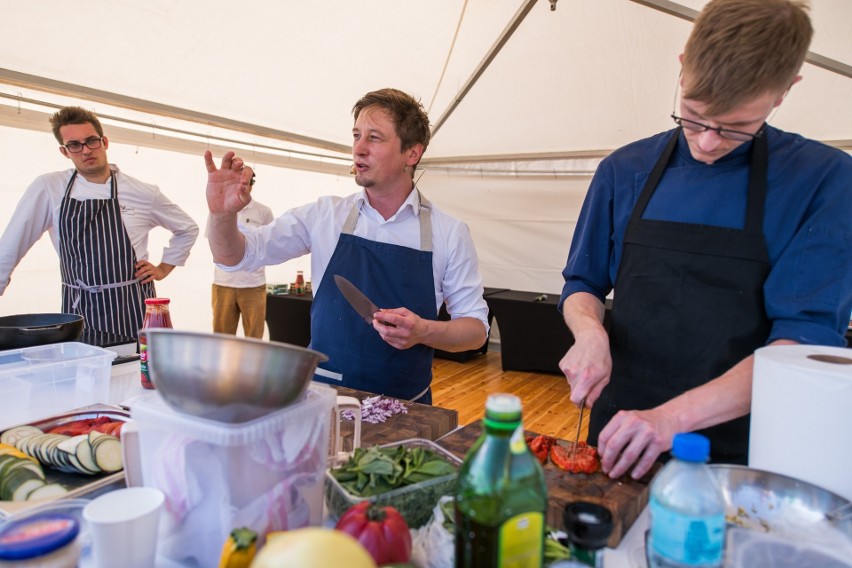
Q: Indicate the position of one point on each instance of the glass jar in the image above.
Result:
(300, 283)
(156, 315)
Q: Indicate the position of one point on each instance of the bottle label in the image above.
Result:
(691, 540)
(522, 541)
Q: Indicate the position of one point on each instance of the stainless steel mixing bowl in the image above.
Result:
(774, 503)
(226, 378)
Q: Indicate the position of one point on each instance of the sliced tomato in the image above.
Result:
(584, 460)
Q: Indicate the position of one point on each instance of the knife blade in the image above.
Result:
(358, 300)
(579, 425)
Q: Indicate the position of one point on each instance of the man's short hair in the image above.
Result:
(74, 115)
(742, 49)
(408, 116)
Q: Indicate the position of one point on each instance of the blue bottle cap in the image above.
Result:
(691, 447)
(36, 536)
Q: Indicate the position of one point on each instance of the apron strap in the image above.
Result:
(424, 206)
(97, 289)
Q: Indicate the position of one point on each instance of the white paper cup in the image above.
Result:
(124, 527)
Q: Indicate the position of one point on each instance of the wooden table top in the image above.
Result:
(421, 421)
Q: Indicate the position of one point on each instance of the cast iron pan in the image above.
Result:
(28, 330)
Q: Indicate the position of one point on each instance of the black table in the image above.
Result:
(289, 318)
(533, 335)
(463, 356)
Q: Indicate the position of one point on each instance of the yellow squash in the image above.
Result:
(238, 551)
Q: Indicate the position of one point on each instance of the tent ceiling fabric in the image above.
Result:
(583, 79)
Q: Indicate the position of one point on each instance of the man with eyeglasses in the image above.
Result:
(98, 219)
(718, 237)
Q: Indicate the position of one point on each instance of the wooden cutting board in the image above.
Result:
(624, 497)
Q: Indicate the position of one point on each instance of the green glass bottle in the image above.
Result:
(501, 496)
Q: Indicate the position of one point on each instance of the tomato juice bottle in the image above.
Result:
(501, 496)
(156, 315)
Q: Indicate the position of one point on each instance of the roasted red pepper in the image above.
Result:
(584, 460)
(381, 530)
(540, 446)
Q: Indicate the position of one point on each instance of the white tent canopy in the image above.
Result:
(526, 100)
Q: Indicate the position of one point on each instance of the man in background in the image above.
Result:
(242, 293)
(98, 219)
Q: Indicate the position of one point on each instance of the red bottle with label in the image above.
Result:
(156, 315)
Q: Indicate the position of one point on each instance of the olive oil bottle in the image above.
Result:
(501, 496)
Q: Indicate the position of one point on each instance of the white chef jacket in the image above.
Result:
(255, 214)
(314, 228)
(143, 207)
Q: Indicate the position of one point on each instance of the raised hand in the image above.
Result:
(228, 187)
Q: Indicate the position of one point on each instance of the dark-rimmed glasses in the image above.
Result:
(695, 126)
(738, 135)
(91, 143)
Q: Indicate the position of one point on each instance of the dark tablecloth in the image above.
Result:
(289, 318)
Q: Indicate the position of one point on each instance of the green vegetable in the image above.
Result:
(553, 549)
(378, 470)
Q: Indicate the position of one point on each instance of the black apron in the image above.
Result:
(98, 265)
(688, 306)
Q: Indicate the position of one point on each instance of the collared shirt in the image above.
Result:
(314, 228)
(255, 214)
(143, 207)
(807, 227)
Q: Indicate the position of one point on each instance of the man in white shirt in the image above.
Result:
(98, 219)
(401, 251)
(242, 293)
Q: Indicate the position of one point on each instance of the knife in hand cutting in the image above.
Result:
(356, 298)
(579, 425)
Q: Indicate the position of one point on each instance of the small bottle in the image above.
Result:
(687, 509)
(501, 496)
(300, 283)
(156, 315)
(588, 527)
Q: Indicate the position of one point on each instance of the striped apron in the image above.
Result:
(98, 265)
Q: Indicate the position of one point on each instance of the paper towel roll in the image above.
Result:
(801, 414)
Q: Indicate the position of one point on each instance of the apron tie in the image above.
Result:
(95, 289)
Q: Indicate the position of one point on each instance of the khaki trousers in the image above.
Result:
(230, 303)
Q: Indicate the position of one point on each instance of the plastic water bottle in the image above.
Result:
(687, 509)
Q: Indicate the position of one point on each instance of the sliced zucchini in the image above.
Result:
(70, 445)
(86, 457)
(12, 435)
(107, 453)
(47, 491)
(22, 493)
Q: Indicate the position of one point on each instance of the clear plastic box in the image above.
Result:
(266, 474)
(416, 510)
(40, 382)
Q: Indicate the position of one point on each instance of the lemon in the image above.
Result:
(312, 548)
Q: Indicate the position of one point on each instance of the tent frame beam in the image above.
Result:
(44, 84)
(688, 14)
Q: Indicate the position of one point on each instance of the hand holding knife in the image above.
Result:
(358, 300)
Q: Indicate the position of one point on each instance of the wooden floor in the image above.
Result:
(545, 398)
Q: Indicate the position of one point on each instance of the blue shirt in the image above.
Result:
(807, 224)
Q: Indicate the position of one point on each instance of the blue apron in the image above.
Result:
(391, 276)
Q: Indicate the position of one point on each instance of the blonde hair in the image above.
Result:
(742, 49)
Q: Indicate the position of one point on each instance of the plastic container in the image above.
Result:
(46, 380)
(266, 474)
(414, 502)
(687, 509)
(47, 540)
(156, 315)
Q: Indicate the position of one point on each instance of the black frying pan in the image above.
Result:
(27, 330)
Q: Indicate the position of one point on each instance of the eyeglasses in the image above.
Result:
(738, 135)
(696, 126)
(91, 143)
